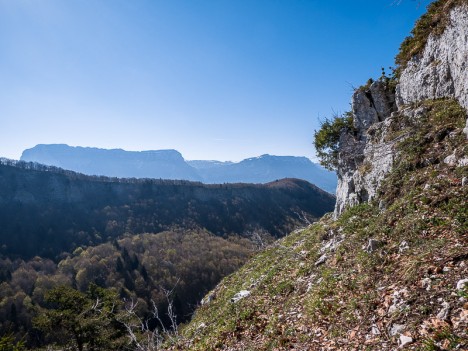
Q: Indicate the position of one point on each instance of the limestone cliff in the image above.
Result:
(441, 69)
(365, 156)
(438, 71)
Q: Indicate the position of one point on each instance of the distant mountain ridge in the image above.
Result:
(265, 168)
(170, 164)
(166, 164)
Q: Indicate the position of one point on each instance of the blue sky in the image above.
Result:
(213, 79)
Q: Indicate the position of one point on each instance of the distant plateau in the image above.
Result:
(170, 164)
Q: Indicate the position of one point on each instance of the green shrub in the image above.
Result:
(326, 140)
(8, 343)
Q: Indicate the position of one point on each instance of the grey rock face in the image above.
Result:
(371, 106)
(364, 111)
(451, 160)
(368, 155)
(383, 100)
(404, 340)
(397, 329)
(441, 70)
(404, 246)
(461, 284)
(426, 283)
(208, 298)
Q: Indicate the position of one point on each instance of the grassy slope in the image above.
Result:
(346, 303)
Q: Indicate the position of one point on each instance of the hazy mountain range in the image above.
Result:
(169, 164)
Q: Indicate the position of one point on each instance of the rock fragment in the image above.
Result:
(208, 298)
(461, 284)
(396, 329)
(405, 340)
(426, 283)
(444, 313)
(240, 295)
(403, 246)
(322, 259)
(451, 160)
(373, 245)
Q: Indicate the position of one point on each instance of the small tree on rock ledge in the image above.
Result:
(327, 138)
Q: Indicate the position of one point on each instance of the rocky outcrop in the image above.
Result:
(372, 105)
(442, 68)
(367, 154)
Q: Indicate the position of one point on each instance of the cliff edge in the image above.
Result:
(367, 152)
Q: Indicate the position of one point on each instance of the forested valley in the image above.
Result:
(140, 246)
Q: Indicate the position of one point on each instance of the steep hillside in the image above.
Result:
(373, 279)
(389, 269)
(45, 211)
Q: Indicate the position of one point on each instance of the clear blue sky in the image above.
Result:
(214, 79)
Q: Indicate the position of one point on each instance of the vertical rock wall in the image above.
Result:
(367, 155)
(442, 68)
